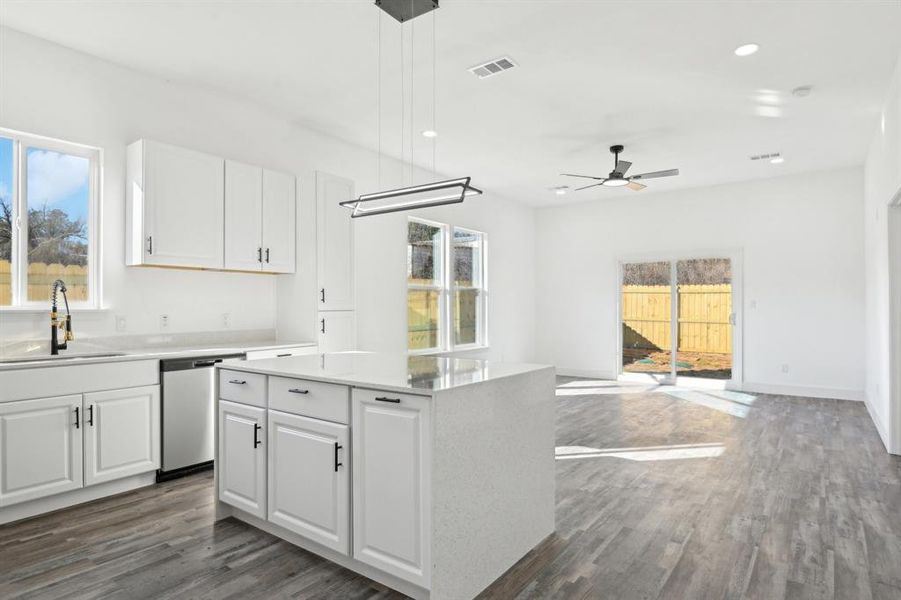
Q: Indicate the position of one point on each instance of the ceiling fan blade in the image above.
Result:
(589, 186)
(634, 185)
(585, 176)
(668, 173)
(622, 166)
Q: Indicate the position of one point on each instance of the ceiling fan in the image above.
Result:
(617, 177)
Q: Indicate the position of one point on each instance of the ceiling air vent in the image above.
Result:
(765, 156)
(493, 67)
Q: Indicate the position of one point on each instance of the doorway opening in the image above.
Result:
(678, 320)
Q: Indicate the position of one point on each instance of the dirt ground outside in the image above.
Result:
(688, 364)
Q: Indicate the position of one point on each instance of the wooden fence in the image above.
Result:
(40, 277)
(703, 317)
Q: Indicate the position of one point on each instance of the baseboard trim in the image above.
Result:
(800, 390)
(880, 426)
(40, 506)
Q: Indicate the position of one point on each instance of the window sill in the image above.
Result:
(455, 351)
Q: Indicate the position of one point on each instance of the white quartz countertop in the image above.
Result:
(86, 353)
(423, 375)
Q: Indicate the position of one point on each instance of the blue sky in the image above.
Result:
(60, 180)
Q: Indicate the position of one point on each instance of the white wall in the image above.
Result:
(53, 91)
(802, 243)
(882, 182)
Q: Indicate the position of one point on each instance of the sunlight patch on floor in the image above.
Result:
(596, 387)
(648, 453)
(732, 403)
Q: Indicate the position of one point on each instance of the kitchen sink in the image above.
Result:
(47, 358)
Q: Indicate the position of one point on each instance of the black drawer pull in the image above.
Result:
(282, 355)
(256, 438)
(337, 464)
(77, 421)
(298, 391)
(237, 381)
(384, 399)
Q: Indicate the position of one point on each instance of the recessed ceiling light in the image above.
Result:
(777, 160)
(746, 50)
(430, 133)
(560, 190)
(802, 91)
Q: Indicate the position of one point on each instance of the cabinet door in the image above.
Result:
(335, 243)
(279, 222)
(391, 482)
(40, 448)
(243, 216)
(183, 207)
(121, 433)
(309, 485)
(241, 462)
(337, 331)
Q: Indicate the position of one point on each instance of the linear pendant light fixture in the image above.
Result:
(451, 191)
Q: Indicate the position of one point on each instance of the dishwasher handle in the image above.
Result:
(206, 363)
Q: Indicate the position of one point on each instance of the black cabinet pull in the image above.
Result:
(282, 355)
(337, 464)
(298, 391)
(91, 415)
(149, 244)
(259, 255)
(256, 438)
(267, 255)
(77, 421)
(322, 325)
(322, 295)
(392, 400)
(237, 381)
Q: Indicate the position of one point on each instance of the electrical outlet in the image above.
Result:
(226, 320)
(164, 321)
(121, 323)
(785, 368)
(753, 304)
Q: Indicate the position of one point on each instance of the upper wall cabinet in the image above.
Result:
(175, 200)
(335, 243)
(189, 209)
(260, 215)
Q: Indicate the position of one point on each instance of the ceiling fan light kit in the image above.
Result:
(438, 193)
(617, 177)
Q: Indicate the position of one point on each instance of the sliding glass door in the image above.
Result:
(677, 319)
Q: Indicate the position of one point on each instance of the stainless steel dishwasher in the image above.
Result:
(188, 418)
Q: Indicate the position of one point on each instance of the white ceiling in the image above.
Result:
(657, 76)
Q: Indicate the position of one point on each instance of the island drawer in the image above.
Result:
(315, 399)
(246, 388)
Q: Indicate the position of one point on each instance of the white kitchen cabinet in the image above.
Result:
(40, 448)
(337, 331)
(175, 207)
(334, 243)
(279, 222)
(243, 216)
(391, 507)
(241, 461)
(260, 215)
(309, 485)
(121, 433)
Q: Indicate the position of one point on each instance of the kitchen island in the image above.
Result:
(430, 475)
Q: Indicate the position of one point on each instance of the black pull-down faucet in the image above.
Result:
(57, 323)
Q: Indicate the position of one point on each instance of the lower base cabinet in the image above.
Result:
(40, 448)
(391, 457)
(241, 464)
(121, 433)
(309, 485)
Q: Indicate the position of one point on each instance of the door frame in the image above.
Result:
(736, 256)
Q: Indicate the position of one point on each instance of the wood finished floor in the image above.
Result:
(672, 495)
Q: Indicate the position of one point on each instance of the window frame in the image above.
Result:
(446, 288)
(19, 248)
